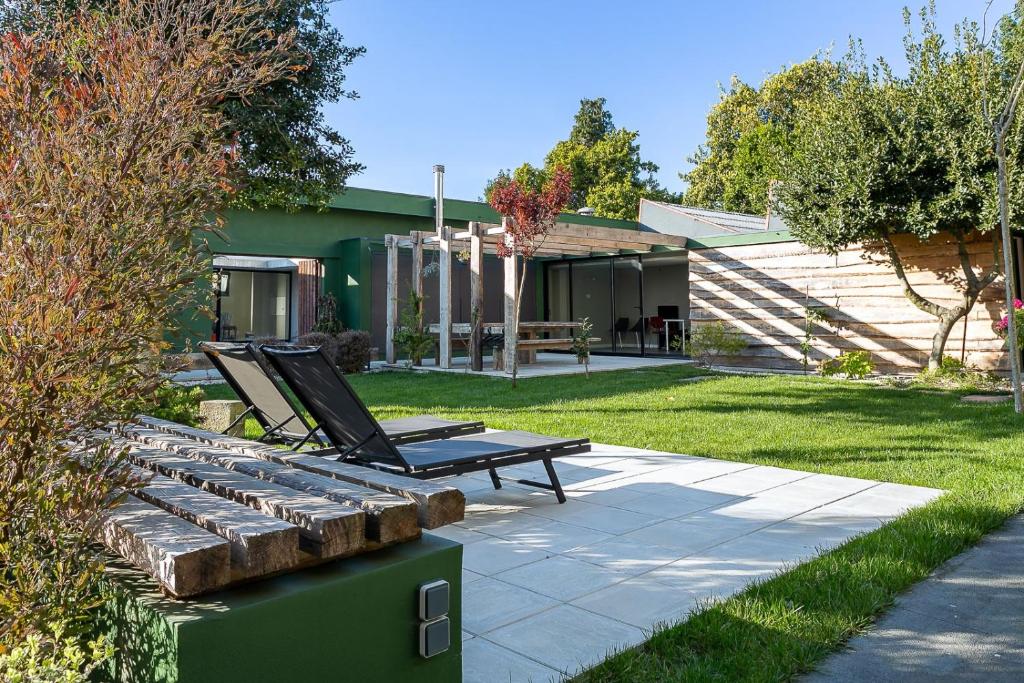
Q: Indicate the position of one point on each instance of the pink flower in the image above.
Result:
(1018, 304)
(1003, 324)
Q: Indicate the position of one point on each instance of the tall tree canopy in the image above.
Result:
(876, 155)
(289, 155)
(608, 174)
(749, 131)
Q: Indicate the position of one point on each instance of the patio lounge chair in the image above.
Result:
(245, 371)
(357, 437)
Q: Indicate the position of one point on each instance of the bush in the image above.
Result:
(115, 165)
(353, 350)
(956, 375)
(327, 321)
(176, 403)
(853, 364)
(349, 350)
(328, 342)
(710, 341)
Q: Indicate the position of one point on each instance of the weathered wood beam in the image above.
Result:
(417, 268)
(476, 296)
(259, 544)
(327, 529)
(445, 299)
(391, 306)
(389, 519)
(438, 504)
(185, 559)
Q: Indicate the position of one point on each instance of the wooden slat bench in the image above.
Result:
(532, 346)
(215, 510)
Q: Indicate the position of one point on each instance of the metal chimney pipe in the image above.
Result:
(439, 198)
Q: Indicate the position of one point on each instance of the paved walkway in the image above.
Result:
(644, 538)
(964, 623)
(550, 364)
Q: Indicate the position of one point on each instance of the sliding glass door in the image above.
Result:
(637, 304)
(591, 298)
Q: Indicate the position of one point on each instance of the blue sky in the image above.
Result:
(480, 86)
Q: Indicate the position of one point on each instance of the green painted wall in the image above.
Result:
(341, 236)
(350, 620)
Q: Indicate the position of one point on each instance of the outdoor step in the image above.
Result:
(260, 544)
(328, 529)
(438, 504)
(389, 519)
(184, 558)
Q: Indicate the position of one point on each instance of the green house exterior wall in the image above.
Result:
(341, 237)
(352, 620)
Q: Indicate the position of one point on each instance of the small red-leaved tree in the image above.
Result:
(530, 216)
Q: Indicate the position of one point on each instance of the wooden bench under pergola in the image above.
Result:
(563, 240)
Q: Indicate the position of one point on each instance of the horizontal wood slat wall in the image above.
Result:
(763, 291)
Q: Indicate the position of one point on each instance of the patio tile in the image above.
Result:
(690, 534)
(488, 604)
(495, 555)
(611, 496)
(642, 602)
(470, 576)
(599, 517)
(562, 578)
(459, 534)
(715, 578)
(486, 662)
(567, 638)
(750, 481)
(666, 507)
(633, 557)
(552, 536)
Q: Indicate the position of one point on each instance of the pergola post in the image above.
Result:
(391, 309)
(511, 294)
(476, 296)
(417, 267)
(445, 298)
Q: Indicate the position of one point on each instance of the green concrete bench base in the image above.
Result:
(350, 620)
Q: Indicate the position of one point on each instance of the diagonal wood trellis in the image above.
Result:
(563, 240)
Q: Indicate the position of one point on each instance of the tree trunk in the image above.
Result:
(946, 323)
(1004, 226)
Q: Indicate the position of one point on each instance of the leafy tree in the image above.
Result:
(530, 215)
(608, 174)
(115, 163)
(289, 155)
(877, 155)
(749, 132)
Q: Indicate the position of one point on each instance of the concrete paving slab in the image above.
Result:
(567, 638)
(644, 539)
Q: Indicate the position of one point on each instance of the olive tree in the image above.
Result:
(878, 155)
(115, 163)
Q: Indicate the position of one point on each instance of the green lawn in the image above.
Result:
(781, 627)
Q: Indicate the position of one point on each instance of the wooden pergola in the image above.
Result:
(564, 239)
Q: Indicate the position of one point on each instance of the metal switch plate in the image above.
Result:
(435, 637)
(434, 599)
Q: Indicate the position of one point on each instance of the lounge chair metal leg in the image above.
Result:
(556, 486)
(495, 479)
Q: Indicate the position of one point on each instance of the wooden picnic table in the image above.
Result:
(530, 331)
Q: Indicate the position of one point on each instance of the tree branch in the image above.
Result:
(908, 290)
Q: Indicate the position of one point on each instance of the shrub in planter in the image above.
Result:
(177, 404)
(852, 364)
(954, 374)
(328, 342)
(353, 350)
(710, 341)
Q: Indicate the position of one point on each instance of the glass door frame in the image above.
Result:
(215, 281)
(611, 266)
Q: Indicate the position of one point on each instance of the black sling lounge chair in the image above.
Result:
(358, 438)
(244, 369)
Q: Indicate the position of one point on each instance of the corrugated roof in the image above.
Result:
(720, 222)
